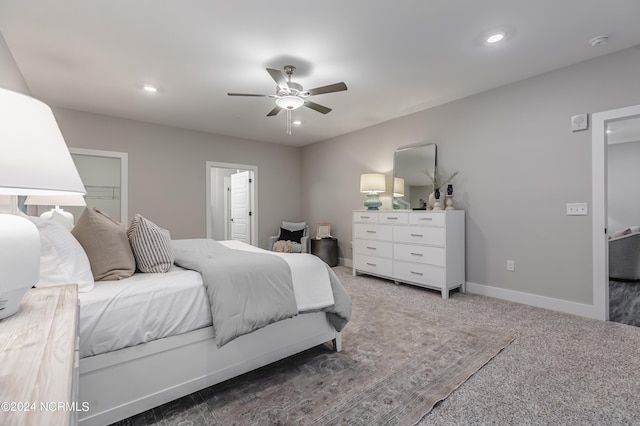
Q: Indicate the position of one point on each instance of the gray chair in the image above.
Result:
(624, 257)
(304, 246)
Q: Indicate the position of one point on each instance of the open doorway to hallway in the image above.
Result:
(232, 202)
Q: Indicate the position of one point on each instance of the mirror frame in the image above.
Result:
(395, 164)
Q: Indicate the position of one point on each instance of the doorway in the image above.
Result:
(602, 122)
(232, 202)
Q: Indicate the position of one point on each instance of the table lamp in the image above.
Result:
(372, 184)
(66, 218)
(34, 160)
(398, 191)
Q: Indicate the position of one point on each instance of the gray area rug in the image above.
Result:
(624, 302)
(397, 362)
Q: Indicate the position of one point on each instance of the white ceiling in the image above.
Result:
(396, 57)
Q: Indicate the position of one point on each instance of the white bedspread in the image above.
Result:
(311, 284)
(142, 308)
(146, 307)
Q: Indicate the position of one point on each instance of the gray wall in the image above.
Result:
(167, 170)
(519, 165)
(623, 176)
(10, 76)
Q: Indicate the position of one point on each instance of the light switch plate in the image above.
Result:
(577, 209)
(579, 122)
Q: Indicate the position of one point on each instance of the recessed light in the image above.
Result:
(495, 37)
(149, 88)
(297, 122)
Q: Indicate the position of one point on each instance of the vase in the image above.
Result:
(436, 196)
(449, 203)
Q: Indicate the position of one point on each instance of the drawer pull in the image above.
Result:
(371, 264)
(417, 254)
(425, 218)
(365, 217)
(417, 273)
(371, 232)
(392, 218)
(417, 235)
(372, 248)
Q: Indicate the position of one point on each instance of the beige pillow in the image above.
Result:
(106, 244)
(151, 245)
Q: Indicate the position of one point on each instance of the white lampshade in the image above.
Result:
(372, 183)
(34, 160)
(398, 187)
(290, 102)
(55, 200)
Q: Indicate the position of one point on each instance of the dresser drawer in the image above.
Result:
(394, 218)
(373, 248)
(427, 218)
(374, 265)
(419, 235)
(365, 217)
(420, 254)
(419, 273)
(372, 232)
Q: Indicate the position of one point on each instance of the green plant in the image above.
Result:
(438, 181)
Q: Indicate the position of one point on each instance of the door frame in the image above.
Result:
(210, 165)
(124, 175)
(599, 200)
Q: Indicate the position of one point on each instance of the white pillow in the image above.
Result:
(62, 258)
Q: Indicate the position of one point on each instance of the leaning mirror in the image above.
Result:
(412, 167)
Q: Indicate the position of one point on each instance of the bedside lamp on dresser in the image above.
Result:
(34, 160)
(372, 184)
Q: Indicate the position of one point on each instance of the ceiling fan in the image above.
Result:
(290, 95)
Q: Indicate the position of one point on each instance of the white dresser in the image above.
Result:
(424, 248)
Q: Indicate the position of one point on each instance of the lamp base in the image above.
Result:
(10, 301)
(19, 261)
(373, 202)
(64, 218)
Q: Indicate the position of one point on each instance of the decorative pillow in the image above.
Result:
(106, 244)
(151, 245)
(62, 259)
(287, 235)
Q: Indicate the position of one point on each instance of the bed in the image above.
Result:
(201, 312)
(124, 370)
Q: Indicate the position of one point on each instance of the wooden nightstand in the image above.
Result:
(326, 249)
(39, 359)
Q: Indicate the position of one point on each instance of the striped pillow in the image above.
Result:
(151, 245)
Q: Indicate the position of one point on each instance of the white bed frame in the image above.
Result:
(129, 381)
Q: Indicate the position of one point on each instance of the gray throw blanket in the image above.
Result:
(248, 290)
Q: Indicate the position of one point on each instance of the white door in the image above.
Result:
(241, 206)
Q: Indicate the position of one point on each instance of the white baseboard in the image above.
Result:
(559, 305)
(345, 262)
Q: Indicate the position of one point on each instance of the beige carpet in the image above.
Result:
(397, 363)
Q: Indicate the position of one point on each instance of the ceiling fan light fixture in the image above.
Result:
(290, 102)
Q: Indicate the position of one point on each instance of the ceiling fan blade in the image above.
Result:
(337, 87)
(249, 94)
(317, 107)
(274, 111)
(279, 78)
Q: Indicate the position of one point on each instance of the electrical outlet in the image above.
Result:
(577, 209)
(511, 265)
